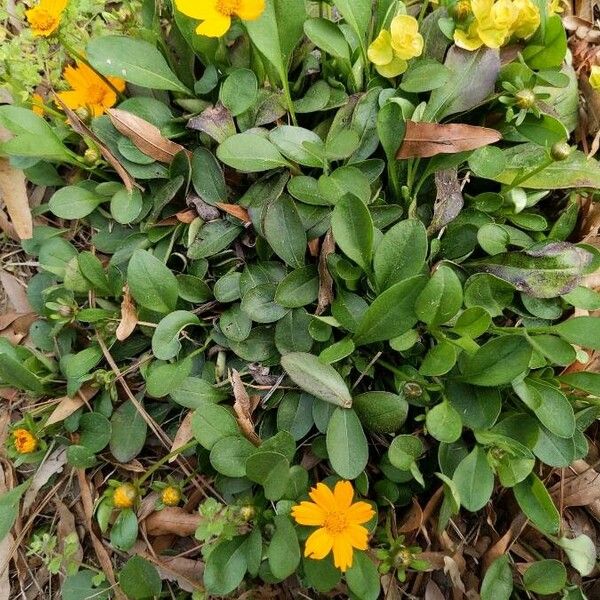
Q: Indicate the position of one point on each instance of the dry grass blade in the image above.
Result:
(129, 317)
(146, 137)
(428, 139)
(13, 191)
(244, 406)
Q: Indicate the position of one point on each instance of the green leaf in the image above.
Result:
(441, 298)
(74, 202)
(239, 91)
(165, 340)
(444, 423)
(474, 480)
(401, 253)
(497, 362)
(213, 237)
(346, 444)
(9, 507)
(357, 13)
(392, 312)
(284, 550)
(297, 143)
(352, 227)
(581, 551)
(128, 432)
(212, 423)
(535, 501)
(545, 577)
(94, 431)
(362, 577)
(139, 579)
(207, 177)
(250, 153)
(548, 47)
(228, 455)
(381, 412)
(328, 37)
(126, 206)
(424, 75)
(124, 531)
(582, 331)
(134, 60)
(81, 586)
(193, 392)
(151, 282)
(317, 378)
(92, 270)
(226, 567)
(14, 373)
(298, 288)
(271, 470)
(277, 32)
(284, 231)
(497, 583)
(543, 271)
(404, 451)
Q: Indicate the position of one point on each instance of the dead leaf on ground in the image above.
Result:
(448, 201)
(186, 572)
(65, 527)
(184, 434)
(244, 406)
(145, 136)
(53, 464)
(428, 139)
(235, 210)
(13, 191)
(582, 489)
(67, 406)
(82, 129)
(172, 520)
(15, 326)
(129, 317)
(325, 280)
(413, 519)
(433, 592)
(15, 292)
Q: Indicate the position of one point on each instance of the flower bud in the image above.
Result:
(560, 151)
(125, 496)
(171, 496)
(525, 99)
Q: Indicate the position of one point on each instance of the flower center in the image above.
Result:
(42, 20)
(228, 7)
(336, 522)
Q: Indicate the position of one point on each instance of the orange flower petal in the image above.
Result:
(323, 496)
(318, 545)
(250, 9)
(357, 536)
(342, 553)
(308, 513)
(360, 512)
(197, 9)
(72, 99)
(343, 493)
(216, 26)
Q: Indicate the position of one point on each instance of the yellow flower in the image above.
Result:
(556, 7)
(339, 521)
(125, 496)
(469, 39)
(25, 441)
(382, 55)
(89, 90)
(171, 496)
(528, 19)
(595, 77)
(494, 21)
(216, 15)
(37, 105)
(407, 42)
(45, 17)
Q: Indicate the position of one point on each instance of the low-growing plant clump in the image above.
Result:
(313, 315)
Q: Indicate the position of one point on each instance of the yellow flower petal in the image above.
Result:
(396, 67)
(493, 38)
(217, 26)
(482, 9)
(380, 51)
(468, 40)
(360, 512)
(71, 99)
(357, 536)
(323, 497)
(318, 545)
(308, 513)
(407, 42)
(342, 553)
(197, 9)
(595, 77)
(343, 494)
(250, 10)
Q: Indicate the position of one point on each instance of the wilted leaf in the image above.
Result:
(67, 405)
(184, 434)
(215, 121)
(244, 406)
(325, 280)
(428, 139)
(13, 191)
(146, 137)
(448, 201)
(235, 210)
(129, 318)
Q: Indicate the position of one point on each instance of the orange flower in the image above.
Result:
(125, 496)
(171, 496)
(339, 521)
(25, 441)
(89, 90)
(45, 17)
(37, 105)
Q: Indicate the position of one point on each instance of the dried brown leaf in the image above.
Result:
(15, 292)
(582, 489)
(15, 326)
(129, 318)
(325, 280)
(172, 520)
(428, 139)
(66, 526)
(53, 464)
(413, 519)
(13, 191)
(215, 121)
(448, 201)
(186, 572)
(145, 136)
(184, 434)
(235, 210)
(67, 406)
(244, 406)
(433, 592)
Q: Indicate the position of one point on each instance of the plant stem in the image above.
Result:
(165, 459)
